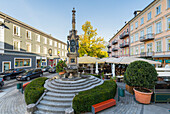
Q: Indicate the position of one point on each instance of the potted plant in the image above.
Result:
(142, 76)
(60, 67)
(103, 75)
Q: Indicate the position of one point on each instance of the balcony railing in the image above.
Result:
(114, 49)
(124, 44)
(124, 34)
(147, 54)
(114, 42)
(109, 46)
(108, 51)
(147, 37)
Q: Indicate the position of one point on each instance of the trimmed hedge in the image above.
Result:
(34, 90)
(85, 99)
(140, 74)
(97, 76)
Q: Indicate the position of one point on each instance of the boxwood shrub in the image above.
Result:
(85, 99)
(34, 90)
(96, 75)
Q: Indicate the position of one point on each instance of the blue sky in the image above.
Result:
(54, 16)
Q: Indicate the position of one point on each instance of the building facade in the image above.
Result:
(149, 32)
(119, 43)
(22, 46)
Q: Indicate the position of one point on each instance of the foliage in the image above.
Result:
(140, 74)
(60, 66)
(34, 90)
(85, 99)
(102, 74)
(96, 75)
(90, 44)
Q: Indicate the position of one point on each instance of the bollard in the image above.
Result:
(121, 93)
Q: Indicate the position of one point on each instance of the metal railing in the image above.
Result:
(124, 44)
(124, 34)
(147, 37)
(114, 42)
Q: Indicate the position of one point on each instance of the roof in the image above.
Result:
(9, 18)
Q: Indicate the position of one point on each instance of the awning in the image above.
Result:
(156, 56)
(89, 60)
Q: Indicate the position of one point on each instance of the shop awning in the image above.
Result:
(89, 60)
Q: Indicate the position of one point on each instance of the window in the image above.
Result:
(37, 38)
(55, 52)
(158, 46)
(55, 44)
(131, 51)
(136, 24)
(62, 46)
(158, 10)
(149, 16)
(168, 23)
(149, 30)
(142, 49)
(45, 50)
(38, 48)
(28, 47)
(66, 54)
(131, 28)
(149, 47)
(50, 42)
(168, 44)
(127, 50)
(124, 52)
(28, 34)
(65, 47)
(22, 62)
(136, 50)
(16, 30)
(142, 21)
(59, 45)
(45, 40)
(142, 33)
(158, 27)
(136, 37)
(62, 53)
(131, 39)
(16, 45)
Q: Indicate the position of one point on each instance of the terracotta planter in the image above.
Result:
(129, 89)
(143, 97)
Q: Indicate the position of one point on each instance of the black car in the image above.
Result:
(52, 70)
(45, 69)
(12, 73)
(29, 74)
(1, 82)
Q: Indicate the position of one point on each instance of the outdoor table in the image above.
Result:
(119, 78)
(107, 75)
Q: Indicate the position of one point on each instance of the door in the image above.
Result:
(149, 49)
(6, 65)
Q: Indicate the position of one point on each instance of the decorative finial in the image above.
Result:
(73, 19)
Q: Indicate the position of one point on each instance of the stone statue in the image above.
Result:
(68, 45)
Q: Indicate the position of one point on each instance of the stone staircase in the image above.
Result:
(61, 93)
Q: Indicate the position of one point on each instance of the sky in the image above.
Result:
(54, 16)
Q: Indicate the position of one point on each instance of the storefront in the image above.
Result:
(164, 59)
(41, 61)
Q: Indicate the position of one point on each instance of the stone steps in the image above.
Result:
(57, 99)
(74, 84)
(61, 93)
(50, 109)
(74, 87)
(56, 104)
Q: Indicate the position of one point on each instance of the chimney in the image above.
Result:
(136, 12)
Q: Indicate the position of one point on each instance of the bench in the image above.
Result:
(103, 105)
(24, 85)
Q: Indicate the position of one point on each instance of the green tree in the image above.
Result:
(90, 44)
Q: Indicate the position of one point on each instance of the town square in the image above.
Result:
(85, 57)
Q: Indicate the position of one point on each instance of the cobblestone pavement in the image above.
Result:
(127, 105)
(13, 102)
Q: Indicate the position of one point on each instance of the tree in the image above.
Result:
(90, 44)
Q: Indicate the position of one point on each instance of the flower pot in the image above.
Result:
(129, 89)
(143, 97)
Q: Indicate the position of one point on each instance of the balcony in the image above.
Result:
(147, 54)
(114, 42)
(123, 45)
(108, 46)
(114, 49)
(116, 56)
(124, 35)
(147, 37)
(108, 51)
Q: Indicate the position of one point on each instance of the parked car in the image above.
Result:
(30, 74)
(45, 69)
(1, 82)
(12, 73)
(52, 70)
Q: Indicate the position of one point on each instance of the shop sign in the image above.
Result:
(159, 60)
